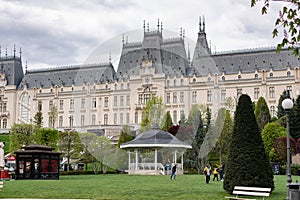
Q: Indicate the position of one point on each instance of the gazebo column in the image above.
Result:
(136, 159)
(155, 160)
(175, 156)
(182, 161)
(129, 158)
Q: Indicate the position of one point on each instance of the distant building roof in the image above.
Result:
(68, 76)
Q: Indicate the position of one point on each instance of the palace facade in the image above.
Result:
(98, 98)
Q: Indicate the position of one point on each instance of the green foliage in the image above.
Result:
(38, 119)
(48, 137)
(289, 21)
(270, 133)
(125, 135)
(21, 134)
(152, 113)
(262, 113)
(248, 164)
(5, 138)
(280, 110)
(223, 142)
(195, 120)
(167, 121)
(69, 144)
(295, 120)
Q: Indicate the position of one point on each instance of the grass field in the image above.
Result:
(116, 186)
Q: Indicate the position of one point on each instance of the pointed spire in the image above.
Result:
(158, 24)
(109, 58)
(180, 32)
(14, 50)
(147, 27)
(126, 39)
(200, 24)
(0, 51)
(144, 26)
(20, 52)
(161, 27)
(26, 67)
(203, 23)
(123, 39)
(183, 33)
(5, 52)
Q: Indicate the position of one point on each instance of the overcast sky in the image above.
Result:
(59, 33)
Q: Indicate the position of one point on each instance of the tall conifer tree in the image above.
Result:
(248, 164)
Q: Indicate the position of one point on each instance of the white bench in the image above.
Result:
(250, 191)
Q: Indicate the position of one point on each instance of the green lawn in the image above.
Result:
(115, 186)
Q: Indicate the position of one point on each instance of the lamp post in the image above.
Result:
(287, 105)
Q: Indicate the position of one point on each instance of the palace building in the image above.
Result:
(98, 98)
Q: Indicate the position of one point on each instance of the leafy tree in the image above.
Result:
(48, 137)
(86, 156)
(38, 119)
(125, 135)
(152, 113)
(262, 113)
(270, 133)
(193, 155)
(280, 148)
(69, 145)
(167, 121)
(288, 19)
(107, 154)
(295, 120)
(207, 118)
(280, 110)
(248, 164)
(21, 135)
(53, 115)
(223, 142)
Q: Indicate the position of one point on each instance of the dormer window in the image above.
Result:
(288, 73)
(223, 78)
(239, 77)
(271, 74)
(256, 76)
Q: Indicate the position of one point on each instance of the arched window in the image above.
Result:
(82, 120)
(93, 119)
(175, 117)
(136, 117)
(24, 108)
(105, 119)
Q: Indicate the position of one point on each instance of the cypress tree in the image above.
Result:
(248, 164)
(262, 113)
(295, 119)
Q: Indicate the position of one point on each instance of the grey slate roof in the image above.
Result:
(68, 76)
(155, 138)
(11, 66)
(168, 56)
(252, 59)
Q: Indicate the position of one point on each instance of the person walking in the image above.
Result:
(173, 172)
(221, 172)
(216, 173)
(207, 172)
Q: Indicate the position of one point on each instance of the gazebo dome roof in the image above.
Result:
(155, 137)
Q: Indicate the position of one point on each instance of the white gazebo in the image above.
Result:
(149, 151)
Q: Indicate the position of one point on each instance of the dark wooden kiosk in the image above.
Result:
(37, 162)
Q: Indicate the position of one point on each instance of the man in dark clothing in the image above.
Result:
(173, 172)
